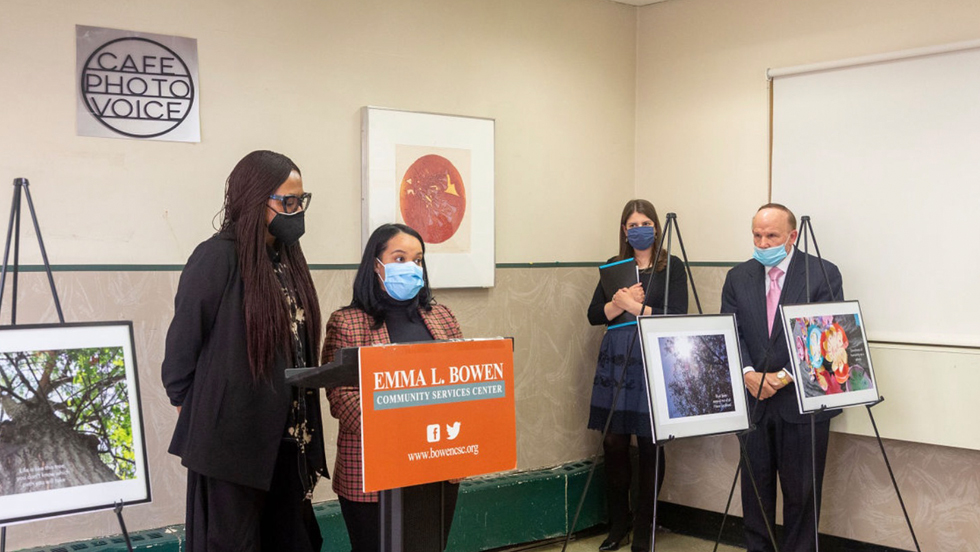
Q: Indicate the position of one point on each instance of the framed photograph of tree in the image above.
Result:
(693, 375)
(434, 173)
(830, 356)
(71, 429)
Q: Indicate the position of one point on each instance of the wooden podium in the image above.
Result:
(431, 412)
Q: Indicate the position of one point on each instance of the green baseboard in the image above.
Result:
(492, 512)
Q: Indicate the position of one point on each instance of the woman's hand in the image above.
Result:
(623, 299)
(636, 292)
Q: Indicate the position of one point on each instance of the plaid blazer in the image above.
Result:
(351, 327)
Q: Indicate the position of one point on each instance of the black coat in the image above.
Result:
(744, 294)
(230, 427)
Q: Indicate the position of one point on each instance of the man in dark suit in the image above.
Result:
(780, 445)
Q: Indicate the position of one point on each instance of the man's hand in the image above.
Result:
(770, 384)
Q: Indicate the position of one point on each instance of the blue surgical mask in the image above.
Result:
(641, 237)
(402, 281)
(770, 256)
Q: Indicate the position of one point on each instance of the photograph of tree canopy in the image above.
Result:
(70, 426)
(697, 376)
(64, 419)
(694, 375)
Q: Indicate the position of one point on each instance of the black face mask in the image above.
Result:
(288, 228)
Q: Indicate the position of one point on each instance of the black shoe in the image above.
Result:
(641, 541)
(614, 543)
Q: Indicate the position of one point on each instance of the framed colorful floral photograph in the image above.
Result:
(71, 429)
(693, 375)
(434, 173)
(830, 356)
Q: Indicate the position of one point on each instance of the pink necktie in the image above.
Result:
(772, 298)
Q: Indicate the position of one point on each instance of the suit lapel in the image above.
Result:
(794, 287)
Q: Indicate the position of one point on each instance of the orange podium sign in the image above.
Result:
(436, 411)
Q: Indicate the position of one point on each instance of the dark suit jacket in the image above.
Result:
(229, 427)
(744, 294)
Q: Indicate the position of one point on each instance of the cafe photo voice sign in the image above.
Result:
(136, 85)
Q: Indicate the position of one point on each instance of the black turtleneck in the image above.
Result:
(404, 326)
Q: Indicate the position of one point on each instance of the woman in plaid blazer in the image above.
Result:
(391, 303)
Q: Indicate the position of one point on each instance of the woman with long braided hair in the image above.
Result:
(245, 311)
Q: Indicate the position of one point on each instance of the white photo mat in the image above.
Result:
(134, 489)
(829, 353)
(392, 138)
(680, 405)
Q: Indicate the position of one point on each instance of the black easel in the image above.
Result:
(670, 227)
(22, 187)
(806, 233)
(13, 233)
(122, 525)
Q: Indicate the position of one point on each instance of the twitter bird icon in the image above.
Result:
(452, 431)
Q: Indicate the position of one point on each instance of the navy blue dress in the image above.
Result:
(632, 412)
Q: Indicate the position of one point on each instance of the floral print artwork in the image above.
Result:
(832, 354)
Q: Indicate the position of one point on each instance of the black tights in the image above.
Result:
(619, 474)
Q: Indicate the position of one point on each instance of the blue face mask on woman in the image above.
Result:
(641, 237)
(402, 281)
(770, 256)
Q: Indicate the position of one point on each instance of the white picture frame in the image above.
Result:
(693, 375)
(813, 329)
(76, 386)
(455, 217)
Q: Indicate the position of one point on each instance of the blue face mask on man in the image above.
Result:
(770, 256)
(641, 237)
(402, 281)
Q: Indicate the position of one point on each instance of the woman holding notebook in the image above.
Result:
(633, 283)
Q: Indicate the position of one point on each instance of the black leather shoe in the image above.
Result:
(614, 543)
(641, 541)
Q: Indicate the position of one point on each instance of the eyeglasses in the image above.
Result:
(292, 204)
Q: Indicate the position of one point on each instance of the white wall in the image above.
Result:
(702, 130)
(556, 75)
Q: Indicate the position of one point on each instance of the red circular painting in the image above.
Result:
(433, 198)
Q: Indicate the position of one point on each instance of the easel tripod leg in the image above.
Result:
(891, 474)
(728, 506)
(758, 496)
(813, 473)
(44, 253)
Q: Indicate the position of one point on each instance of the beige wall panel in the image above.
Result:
(939, 485)
(543, 309)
